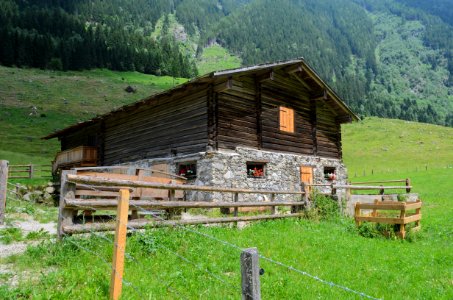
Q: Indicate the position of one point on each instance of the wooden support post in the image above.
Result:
(304, 188)
(236, 199)
(408, 184)
(30, 171)
(417, 212)
(3, 188)
(357, 213)
(171, 197)
(119, 247)
(250, 272)
(374, 213)
(273, 207)
(67, 190)
(333, 190)
(314, 125)
(381, 191)
(403, 225)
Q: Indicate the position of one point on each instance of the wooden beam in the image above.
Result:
(212, 121)
(145, 223)
(3, 189)
(107, 204)
(303, 82)
(119, 247)
(266, 76)
(67, 191)
(313, 122)
(293, 69)
(179, 187)
(259, 111)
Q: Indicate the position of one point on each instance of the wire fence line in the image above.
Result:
(131, 257)
(127, 254)
(234, 246)
(223, 242)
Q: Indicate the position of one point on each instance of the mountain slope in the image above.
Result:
(388, 58)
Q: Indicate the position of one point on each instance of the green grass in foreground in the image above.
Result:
(417, 268)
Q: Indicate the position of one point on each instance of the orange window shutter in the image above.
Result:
(286, 119)
(291, 120)
(283, 118)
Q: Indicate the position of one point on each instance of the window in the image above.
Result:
(286, 119)
(256, 169)
(329, 173)
(187, 169)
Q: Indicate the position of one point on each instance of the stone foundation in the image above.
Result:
(228, 168)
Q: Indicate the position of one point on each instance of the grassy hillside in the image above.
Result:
(371, 144)
(61, 99)
(418, 268)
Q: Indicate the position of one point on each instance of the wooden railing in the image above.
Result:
(89, 192)
(29, 171)
(82, 156)
(402, 219)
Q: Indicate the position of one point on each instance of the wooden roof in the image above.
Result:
(294, 65)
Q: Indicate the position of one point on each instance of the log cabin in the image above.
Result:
(269, 126)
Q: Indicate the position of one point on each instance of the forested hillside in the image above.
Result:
(389, 58)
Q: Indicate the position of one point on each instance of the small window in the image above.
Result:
(187, 169)
(329, 173)
(286, 119)
(256, 169)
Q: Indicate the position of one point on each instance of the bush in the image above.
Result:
(323, 208)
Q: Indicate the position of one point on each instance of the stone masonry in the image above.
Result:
(227, 168)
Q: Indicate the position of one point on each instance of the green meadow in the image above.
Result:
(192, 262)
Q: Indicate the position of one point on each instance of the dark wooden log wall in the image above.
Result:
(237, 116)
(164, 127)
(248, 115)
(88, 136)
(328, 131)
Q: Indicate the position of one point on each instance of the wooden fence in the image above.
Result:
(89, 192)
(404, 217)
(29, 171)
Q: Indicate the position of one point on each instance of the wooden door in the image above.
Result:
(306, 176)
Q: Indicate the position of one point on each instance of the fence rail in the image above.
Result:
(29, 171)
(402, 220)
(99, 191)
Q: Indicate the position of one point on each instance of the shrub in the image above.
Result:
(323, 208)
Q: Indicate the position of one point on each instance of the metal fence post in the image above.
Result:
(250, 272)
(3, 188)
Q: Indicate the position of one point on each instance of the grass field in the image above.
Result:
(216, 58)
(420, 267)
(61, 99)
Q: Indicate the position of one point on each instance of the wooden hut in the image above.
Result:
(265, 126)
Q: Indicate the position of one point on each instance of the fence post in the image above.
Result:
(408, 184)
(119, 248)
(236, 199)
(67, 190)
(250, 272)
(3, 188)
(30, 171)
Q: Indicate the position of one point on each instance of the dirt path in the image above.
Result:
(26, 226)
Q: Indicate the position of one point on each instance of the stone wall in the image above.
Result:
(227, 168)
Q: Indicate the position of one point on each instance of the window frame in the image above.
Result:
(187, 163)
(248, 165)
